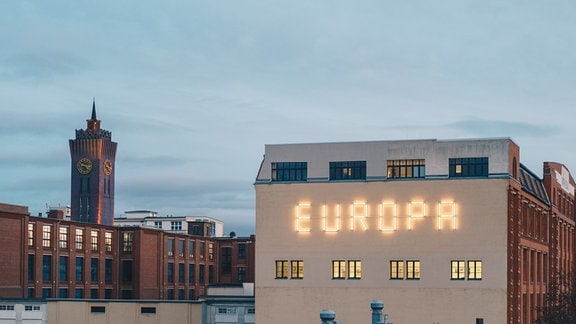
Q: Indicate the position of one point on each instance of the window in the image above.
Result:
(79, 269)
(338, 269)
(226, 259)
(94, 269)
(46, 267)
(210, 273)
(63, 238)
(406, 169)
(108, 241)
(397, 269)
(158, 225)
(31, 234)
(191, 273)
(97, 309)
(148, 310)
(202, 249)
(180, 272)
(127, 240)
(241, 273)
(281, 269)
(63, 273)
(458, 270)
(413, 269)
(176, 226)
(297, 269)
(94, 240)
(210, 251)
(468, 167)
(170, 246)
(108, 270)
(289, 171)
(46, 293)
(191, 248)
(30, 308)
(31, 267)
(201, 274)
(79, 239)
(475, 270)
(46, 239)
(181, 248)
(241, 250)
(170, 293)
(348, 170)
(354, 269)
(127, 271)
(7, 307)
(250, 311)
(170, 272)
(226, 310)
(63, 293)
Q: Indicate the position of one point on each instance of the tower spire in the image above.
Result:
(93, 108)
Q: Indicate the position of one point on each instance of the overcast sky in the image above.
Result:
(192, 90)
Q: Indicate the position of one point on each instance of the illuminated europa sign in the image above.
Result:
(362, 216)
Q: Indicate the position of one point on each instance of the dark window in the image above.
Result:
(97, 309)
(180, 294)
(78, 293)
(191, 294)
(241, 250)
(126, 270)
(202, 249)
(126, 294)
(406, 169)
(479, 321)
(46, 293)
(468, 167)
(210, 274)
(31, 268)
(31, 292)
(191, 248)
(289, 171)
(191, 273)
(226, 259)
(148, 310)
(348, 170)
(108, 271)
(241, 274)
(63, 293)
(181, 248)
(170, 246)
(63, 268)
(94, 269)
(181, 272)
(201, 274)
(79, 269)
(170, 294)
(108, 293)
(46, 267)
(94, 293)
(170, 272)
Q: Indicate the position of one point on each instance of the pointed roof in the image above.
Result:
(93, 109)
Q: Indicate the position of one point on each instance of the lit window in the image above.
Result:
(458, 270)
(475, 270)
(63, 238)
(396, 269)
(338, 269)
(127, 240)
(297, 267)
(79, 239)
(46, 233)
(108, 241)
(406, 169)
(413, 269)
(354, 269)
(94, 240)
(289, 171)
(210, 251)
(31, 234)
(281, 269)
(468, 167)
(348, 170)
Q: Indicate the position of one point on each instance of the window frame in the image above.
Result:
(281, 269)
(468, 167)
(297, 269)
(347, 170)
(413, 270)
(289, 171)
(355, 269)
(475, 269)
(397, 270)
(458, 270)
(339, 269)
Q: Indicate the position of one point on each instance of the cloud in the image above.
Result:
(492, 128)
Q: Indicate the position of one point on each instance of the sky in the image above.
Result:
(193, 90)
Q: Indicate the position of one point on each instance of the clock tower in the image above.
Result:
(93, 157)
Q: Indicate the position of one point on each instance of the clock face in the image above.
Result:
(107, 167)
(84, 166)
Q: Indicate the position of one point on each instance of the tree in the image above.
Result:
(560, 301)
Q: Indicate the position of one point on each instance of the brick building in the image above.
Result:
(55, 258)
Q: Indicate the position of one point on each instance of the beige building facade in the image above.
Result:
(421, 225)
